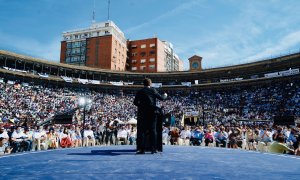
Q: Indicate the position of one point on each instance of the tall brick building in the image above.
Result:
(103, 45)
(152, 55)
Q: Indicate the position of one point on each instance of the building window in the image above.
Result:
(142, 67)
(143, 46)
(68, 59)
(152, 52)
(69, 45)
(133, 61)
(106, 24)
(82, 51)
(143, 54)
(76, 51)
(133, 54)
(133, 68)
(152, 67)
(133, 46)
(76, 44)
(75, 59)
(106, 32)
(152, 59)
(152, 45)
(143, 61)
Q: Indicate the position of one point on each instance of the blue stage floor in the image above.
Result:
(176, 162)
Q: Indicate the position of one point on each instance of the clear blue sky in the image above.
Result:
(223, 32)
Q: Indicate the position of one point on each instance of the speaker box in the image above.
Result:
(284, 120)
(63, 119)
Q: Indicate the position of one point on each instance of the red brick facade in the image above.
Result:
(103, 52)
(98, 52)
(142, 55)
(63, 49)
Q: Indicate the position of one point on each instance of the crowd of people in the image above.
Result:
(264, 137)
(24, 106)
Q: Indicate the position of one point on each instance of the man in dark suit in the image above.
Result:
(145, 100)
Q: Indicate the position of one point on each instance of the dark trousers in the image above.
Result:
(21, 146)
(223, 142)
(147, 128)
(196, 141)
(207, 141)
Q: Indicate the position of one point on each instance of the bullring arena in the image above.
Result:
(242, 100)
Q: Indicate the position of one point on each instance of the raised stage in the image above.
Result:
(176, 162)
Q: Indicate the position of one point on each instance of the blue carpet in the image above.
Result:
(176, 162)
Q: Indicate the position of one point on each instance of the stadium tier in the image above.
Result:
(33, 69)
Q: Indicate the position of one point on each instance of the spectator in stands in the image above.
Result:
(132, 136)
(174, 133)
(122, 135)
(78, 138)
(292, 139)
(39, 138)
(165, 136)
(65, 141)
(88, 137)
(209, 137)
(297, 151)
(52, 139)
(185, 136)
(4, 148)
(221, 137)
(20, 141)
(278, 146)
(234, 137)
(266, 138)
(197, 136)
(4, 136)
(72, 135)
(251, 139)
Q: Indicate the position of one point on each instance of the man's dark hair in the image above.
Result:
(147, 82)
(280, 138)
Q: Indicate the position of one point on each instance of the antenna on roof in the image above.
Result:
(93, 21)
(108, 9)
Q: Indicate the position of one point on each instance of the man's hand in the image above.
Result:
(165, 95)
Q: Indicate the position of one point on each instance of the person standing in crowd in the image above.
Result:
(145, 100)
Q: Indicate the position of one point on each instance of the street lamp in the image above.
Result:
(83, 103)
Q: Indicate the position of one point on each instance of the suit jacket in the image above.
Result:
(145, 100)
